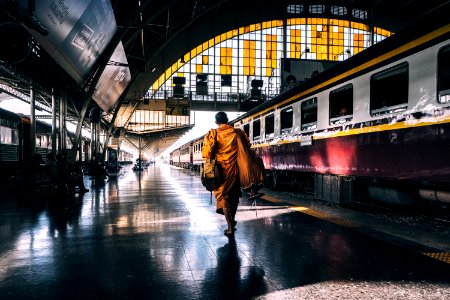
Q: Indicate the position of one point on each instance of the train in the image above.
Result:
(15, 148)
(188, 155)
(376, 125)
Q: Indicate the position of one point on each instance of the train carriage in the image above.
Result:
(381, 117)
(15, 146)
(189, 155)
(10, 143)
(186, 156)
(197, 159)
(175, 157)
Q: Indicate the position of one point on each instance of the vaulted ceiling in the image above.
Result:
(156, 33)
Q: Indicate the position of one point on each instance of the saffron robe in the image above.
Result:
(221, 145)
(241, 167)
(251, 167)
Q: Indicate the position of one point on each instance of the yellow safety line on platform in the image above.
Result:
(316, 213)
(326, 217)
(442, 256)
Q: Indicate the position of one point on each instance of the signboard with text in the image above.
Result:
(79, 32)
(177, 107)
(113, 80)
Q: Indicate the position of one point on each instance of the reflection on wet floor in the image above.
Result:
(153, 235)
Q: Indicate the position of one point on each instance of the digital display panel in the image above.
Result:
(113, 80)
(79, 32)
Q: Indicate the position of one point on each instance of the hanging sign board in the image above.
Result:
(177, 107)
(113, 80)
(78, 32)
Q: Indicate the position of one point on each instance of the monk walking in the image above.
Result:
(241, 168)
(221, 145)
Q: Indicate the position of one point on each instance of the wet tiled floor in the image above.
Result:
(154, 235)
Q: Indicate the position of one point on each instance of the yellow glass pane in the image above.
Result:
(205, 59)
(223, 52)
(155, 85)
(297, 21)
(246, 61)
(198, 68)
(249, 71)
(180, 74)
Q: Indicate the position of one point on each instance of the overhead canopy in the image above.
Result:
(154, 34)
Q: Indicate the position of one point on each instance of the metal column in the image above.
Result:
(62, 121)
(54, 128)
(32, 121)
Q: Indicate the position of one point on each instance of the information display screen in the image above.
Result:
(113, 80)
(79, 32)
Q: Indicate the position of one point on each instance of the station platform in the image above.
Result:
(154, 235)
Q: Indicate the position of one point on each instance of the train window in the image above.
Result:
(286, 120)
(341, 104)
(269, 129)
(444, 75)
(247, 129)
(389, 90)
(5, 135)
(256, 129)
(309, 114)
(39, 141)
(14, 137)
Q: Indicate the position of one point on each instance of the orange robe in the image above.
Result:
(221, 144)
(251, 167)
